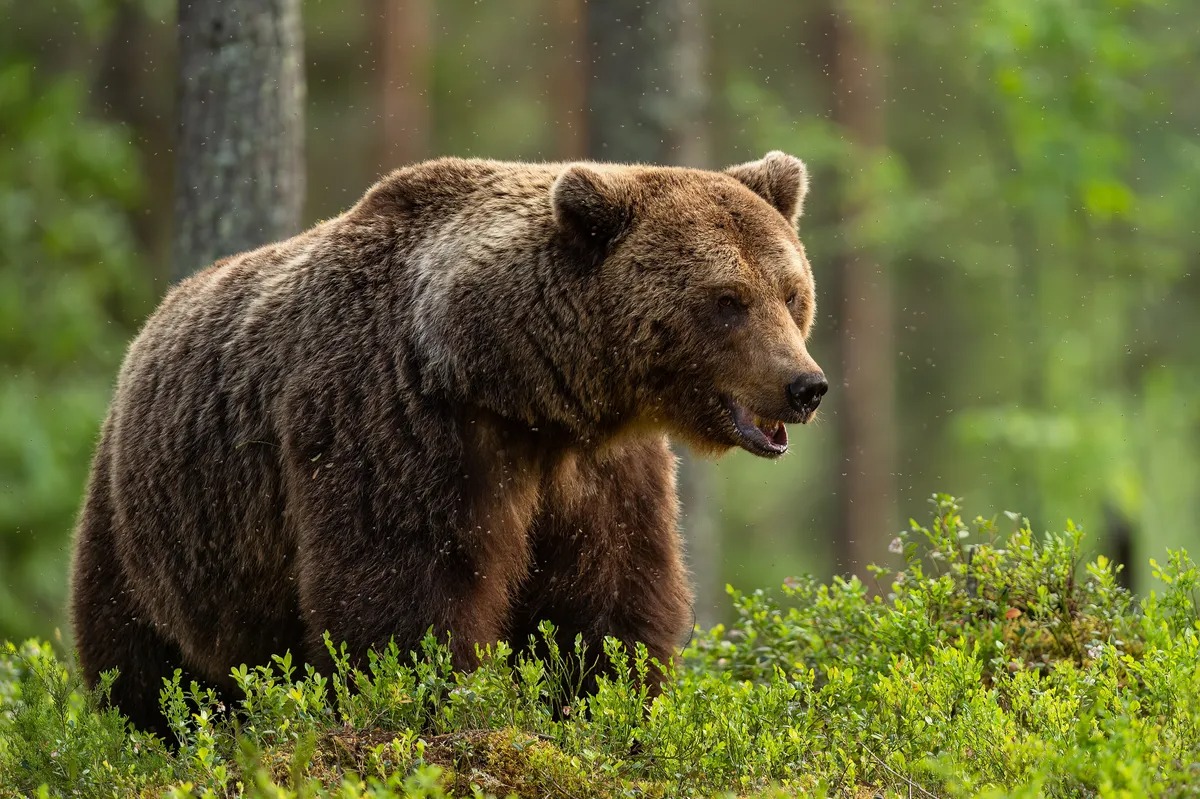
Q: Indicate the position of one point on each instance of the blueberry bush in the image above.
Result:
(998, 662)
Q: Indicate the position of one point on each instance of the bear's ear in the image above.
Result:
(593, 210)
(779, 178)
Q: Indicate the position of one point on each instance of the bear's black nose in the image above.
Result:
(805, 392)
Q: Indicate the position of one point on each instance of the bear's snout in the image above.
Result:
(805, 392)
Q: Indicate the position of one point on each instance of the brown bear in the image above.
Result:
(447, 408)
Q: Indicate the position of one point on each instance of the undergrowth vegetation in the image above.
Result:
(997, 662)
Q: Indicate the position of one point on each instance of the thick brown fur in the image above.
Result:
(447, 407)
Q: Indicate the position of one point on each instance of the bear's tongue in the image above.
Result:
(775, 432)
(772, 434)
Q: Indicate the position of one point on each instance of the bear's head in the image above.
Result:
(708, 291)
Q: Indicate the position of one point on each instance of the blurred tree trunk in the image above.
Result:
(404, 47)
(647, 102)
(125, 89)
(646, 96)
(239, 180)
(867, 406)
(569, 80)
(1120, 539)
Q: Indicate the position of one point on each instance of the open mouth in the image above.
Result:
(767, 438)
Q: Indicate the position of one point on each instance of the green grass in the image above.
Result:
(997, 663)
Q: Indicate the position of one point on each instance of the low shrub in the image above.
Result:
(996, 663)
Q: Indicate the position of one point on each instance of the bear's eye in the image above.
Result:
(791, 300)
(728, 304)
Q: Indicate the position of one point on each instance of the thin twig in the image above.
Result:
(911, 784)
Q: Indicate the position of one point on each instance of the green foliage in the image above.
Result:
(71, 296)
(1035, 217)
(997, 663)
(56, 739)
(1034, 202)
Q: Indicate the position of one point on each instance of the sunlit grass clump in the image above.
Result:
(998, 663)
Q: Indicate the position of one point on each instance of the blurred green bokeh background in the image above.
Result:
(1024, 192)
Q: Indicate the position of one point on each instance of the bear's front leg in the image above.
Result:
(390, 548)
(607, 559)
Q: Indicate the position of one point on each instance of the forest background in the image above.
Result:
(1002, 223)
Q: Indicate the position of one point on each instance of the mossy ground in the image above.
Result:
(996, 663)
